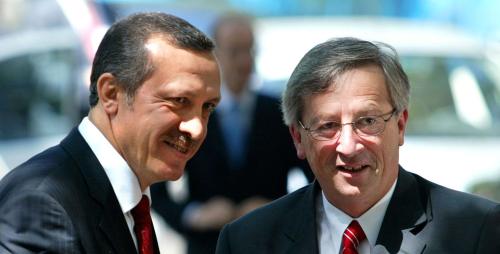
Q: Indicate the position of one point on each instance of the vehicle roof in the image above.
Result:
(290, 38)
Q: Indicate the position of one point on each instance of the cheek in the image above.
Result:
(156, 130)
(321, 155)
(164, 118)
(387, 151)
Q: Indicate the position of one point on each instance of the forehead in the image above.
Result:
(161, 47)
(360, 89)
(181, 68)
(166, 56)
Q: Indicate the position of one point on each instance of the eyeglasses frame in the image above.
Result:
(336, 136)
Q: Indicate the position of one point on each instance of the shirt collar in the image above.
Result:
(370, 221)
(123, 180)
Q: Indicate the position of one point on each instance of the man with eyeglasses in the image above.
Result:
(346, 105)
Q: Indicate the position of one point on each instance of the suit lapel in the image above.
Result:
(115, 228)
(112, 222)
(300, 235)
(405, 218)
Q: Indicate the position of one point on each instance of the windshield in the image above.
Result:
(452, 96)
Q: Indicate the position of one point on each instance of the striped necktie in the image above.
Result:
(353, 236)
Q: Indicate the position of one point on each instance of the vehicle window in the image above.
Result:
(451, 96)
(36, 96)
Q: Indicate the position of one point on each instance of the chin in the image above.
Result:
(172, 176)
(170, 173)
(350, 191)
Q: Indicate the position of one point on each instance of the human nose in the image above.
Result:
(194, 126)
(347, 141)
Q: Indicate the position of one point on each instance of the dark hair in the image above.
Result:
(122, 51)
(323, 64)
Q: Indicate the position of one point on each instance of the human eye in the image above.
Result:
(209, 107)
(176, 103)
(366, 121)
(180, 100)
(327, 128)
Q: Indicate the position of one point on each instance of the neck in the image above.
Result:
(103, 122)
(352, 206)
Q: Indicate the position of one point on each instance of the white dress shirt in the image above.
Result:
(123, 180)
(332, 223)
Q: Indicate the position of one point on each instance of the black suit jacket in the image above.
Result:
(270, 154)
(422, 217)
(61, 201)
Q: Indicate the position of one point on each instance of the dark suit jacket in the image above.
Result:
(270, 154)
(61, 201)
(422, 217)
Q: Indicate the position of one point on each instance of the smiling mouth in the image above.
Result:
(181, 144)
(352, 169)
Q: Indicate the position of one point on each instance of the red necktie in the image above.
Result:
(143, 227)
(353, 236)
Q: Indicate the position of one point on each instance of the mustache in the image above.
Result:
(184, 140)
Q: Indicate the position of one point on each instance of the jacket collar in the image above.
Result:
(113, 227)
(300, 234)
(405, 217)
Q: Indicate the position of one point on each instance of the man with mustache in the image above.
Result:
(346, 105)
(247, 144)
(154, 83)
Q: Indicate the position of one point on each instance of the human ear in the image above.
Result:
(297, 141)
(108, 91)
(402, 121)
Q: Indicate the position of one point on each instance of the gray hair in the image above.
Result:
(323, 64)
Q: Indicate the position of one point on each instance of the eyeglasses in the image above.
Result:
(364, 126)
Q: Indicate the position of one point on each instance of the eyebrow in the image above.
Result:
(190, 93)
(369, 112)
(315, 120)
(360, 113)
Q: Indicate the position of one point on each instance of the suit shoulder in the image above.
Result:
(275, 214)
(266, 229)
(455, 200)
(37, 173)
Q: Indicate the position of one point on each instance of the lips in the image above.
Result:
(351, 169)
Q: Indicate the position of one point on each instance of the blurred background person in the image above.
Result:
(247, 155)
(449, 50)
